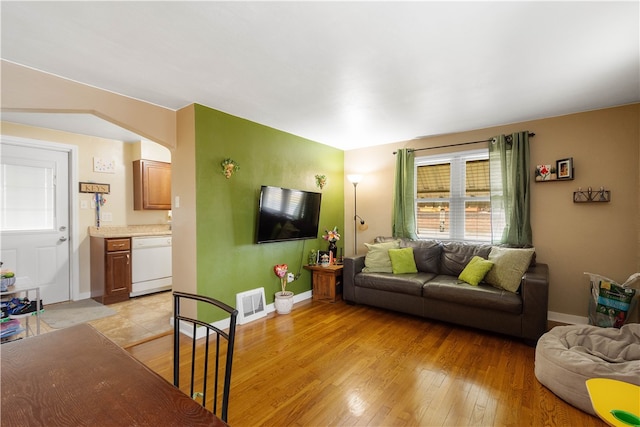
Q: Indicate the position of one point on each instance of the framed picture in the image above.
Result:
(564, 168)
(320, 254)
(543, 172)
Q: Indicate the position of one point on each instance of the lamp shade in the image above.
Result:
(354, 179)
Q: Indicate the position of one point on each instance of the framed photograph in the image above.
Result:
(320, 254)
(564, 168)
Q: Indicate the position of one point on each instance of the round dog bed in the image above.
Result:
(567, 356)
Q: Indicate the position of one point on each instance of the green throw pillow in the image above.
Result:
(377, 259)
(402, 261)
(475, 270)
(509, 267)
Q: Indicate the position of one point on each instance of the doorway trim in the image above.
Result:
(74, 247)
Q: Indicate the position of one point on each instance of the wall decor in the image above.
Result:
(104, 165)
(565, 168)
(562, 170)
(591, 196)
(321, 181)
(544, 172)
(229, 166)
(94, 187)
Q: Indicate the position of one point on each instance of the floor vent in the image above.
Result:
(250, 305)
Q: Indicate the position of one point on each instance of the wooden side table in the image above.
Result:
(325, 281)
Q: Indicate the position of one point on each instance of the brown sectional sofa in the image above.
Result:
(436, 292)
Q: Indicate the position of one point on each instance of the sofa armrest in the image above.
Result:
(535, 301)
(352, 266)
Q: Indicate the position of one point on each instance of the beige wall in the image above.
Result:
(572, 238)
(25, 89)
(119, 202)
(183, 188)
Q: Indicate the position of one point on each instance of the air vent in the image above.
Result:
(251, 305)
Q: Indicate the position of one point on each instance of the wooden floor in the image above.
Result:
(340, 365)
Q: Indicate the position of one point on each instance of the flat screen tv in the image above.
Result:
(287, 214)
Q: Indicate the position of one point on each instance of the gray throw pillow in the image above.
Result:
(456, 255)
(426, 254)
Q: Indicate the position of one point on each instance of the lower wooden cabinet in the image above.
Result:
(326, 282)
(110, 269)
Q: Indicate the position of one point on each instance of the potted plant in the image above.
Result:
(284, 298)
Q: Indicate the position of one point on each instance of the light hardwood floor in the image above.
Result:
(340, 365)
(136, 320)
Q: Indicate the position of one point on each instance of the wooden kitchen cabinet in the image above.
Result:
(151, 185)
(110, 269)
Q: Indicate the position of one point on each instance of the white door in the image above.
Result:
(34, 217)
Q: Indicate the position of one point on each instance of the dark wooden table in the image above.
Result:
(78, 377)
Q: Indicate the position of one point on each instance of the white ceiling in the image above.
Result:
(346, 74)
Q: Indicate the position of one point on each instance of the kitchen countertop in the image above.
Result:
(131, 230)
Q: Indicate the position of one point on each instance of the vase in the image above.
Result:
(333, 248)
(283, 302)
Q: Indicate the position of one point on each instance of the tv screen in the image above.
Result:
(287, 214)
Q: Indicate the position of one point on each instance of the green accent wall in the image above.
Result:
(229, 261)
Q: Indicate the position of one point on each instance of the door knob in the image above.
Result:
(63, 239)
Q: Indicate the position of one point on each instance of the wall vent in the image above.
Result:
(250, 305)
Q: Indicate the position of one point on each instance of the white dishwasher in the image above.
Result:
(150, 264)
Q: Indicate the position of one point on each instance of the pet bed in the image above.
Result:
(567, 356)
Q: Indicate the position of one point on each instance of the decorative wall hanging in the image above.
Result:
(94, 187)
(543, 172)
(565, 168)
(321, 181)
(104, 165)
(229, 166)
(562, 170)
(591, 196)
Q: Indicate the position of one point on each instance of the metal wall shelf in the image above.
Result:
(591, 196)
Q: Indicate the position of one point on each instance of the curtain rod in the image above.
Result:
(508, 138)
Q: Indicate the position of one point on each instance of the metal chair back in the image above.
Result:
(200, 352)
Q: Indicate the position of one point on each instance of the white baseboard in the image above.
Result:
(81, 296)
(569, 319)
(224, 323)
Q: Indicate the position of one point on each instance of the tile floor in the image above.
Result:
(136, 320)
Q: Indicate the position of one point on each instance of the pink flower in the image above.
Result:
(332, 235)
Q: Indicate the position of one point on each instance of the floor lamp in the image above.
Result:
(355, 179)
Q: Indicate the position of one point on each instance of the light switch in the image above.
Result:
(177, 201)
(84, 204)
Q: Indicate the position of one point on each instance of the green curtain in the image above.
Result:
(510, 195)
(404, 218)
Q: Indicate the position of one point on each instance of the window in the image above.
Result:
(28, 197)
(452, 196)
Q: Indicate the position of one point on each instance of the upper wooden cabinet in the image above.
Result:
(151, 185)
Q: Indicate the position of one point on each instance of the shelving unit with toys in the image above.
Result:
(18, 307)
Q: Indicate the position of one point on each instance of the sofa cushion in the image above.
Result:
(449, 288)
(456, 255)
(475, 271)
(509, 267)
(377, 259)
(402, 261)
(426, 254)
(410, 283)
